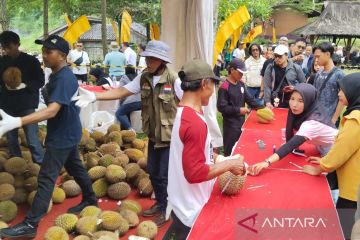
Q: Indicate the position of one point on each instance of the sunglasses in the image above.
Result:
(278, 56)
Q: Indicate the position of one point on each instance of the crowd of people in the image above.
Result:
(182, 163)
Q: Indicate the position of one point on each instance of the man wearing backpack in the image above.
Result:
(78, 58)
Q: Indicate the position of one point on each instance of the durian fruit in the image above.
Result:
(92, 159)
(115, 173)
(2, 161)
(85, 133)
(134, 154)
(20, 196)
(115, 137)
(7, 191)
(265, 115)
(138, 144)
(15, 165)
(142, 163)
(66, 221)
(86, 225)
(236, 183)
(131, 205)
(121, 159)
(128, 136)
(32, 170)
(109, 148)
(66, 177)
(124, 227)
(71, 188)
(90, 211)
(3, 225)
(22, 137)
(6, 177)
(130, 216)
(90, 145)
(3, 154)
(114, 128)
(82, 237)
(145, 188)
(100, 187)
(106, 160)
(147, 229)
(58, 195)
(132, 170)
(19, 181)
(27, 156)
(110, 220)
(30, 184)
(355, 234)
(142, 174)
(105, 235)
(56, 233)
(99, 137)
(12, 77)
(126, 146)
(119, 190)
(8, 211)
(96, 172)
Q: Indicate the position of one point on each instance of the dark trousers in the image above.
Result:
(177, 230)
(32, 139)
(231, 136)
(82, 77)
(124, 110)
(54, 160)
(158, 165)
(346, 210)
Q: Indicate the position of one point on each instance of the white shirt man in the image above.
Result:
(130, 54)
(76, 54)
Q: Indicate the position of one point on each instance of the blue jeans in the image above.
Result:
(124, 110)
(32, 139)
(54, 160)
(255, 92)
(158, 165)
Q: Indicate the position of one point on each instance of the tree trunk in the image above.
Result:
(4, 21)
(46, 19)
(103, 27)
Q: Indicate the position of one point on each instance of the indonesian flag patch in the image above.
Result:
(167, 89)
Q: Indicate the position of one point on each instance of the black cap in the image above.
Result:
(239, 65)
(55, 42)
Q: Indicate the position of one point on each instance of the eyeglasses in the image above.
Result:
(79, 45)
(278, 56)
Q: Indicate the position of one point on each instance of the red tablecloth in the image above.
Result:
(93, 88)
(275, 189)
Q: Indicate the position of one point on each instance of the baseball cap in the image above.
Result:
(196, 70)
(281, 49)
(55, 42)
(238, 65)
(284, 39)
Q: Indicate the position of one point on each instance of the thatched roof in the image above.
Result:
(339, 19)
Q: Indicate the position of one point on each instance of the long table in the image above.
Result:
(281, 191)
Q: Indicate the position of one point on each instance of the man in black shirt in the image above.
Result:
(24, 99)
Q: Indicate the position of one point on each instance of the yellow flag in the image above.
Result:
(235, 38)
(273, 33)
(254, 32)
(77, 28)
(154, 32)
(227, 28)
(116, 30)
(67, 19)
(125, 27)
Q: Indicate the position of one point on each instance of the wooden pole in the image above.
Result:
(103, 27)
(46, 19)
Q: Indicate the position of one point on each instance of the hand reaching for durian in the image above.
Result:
(8, 123)
(85, 98)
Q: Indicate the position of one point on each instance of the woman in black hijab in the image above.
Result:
(100, 77)
(311, 124)
(344, 156)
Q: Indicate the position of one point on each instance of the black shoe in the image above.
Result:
(160, 219)
(20, 230)
(152, 211)
(78, 208)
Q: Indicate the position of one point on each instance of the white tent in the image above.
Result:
(187, 27)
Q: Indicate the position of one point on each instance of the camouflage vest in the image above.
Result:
(158, 107)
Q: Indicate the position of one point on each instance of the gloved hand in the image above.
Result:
(85, 98)
(8, 123)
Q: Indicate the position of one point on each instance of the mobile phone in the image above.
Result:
(299, 152)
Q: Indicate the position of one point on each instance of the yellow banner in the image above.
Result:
(235, 38)
(125, 27)
(77, 28)
(154, 32)
(67, 19)
(228, 27)
(273, 34)
(254, 32)
(116, 31)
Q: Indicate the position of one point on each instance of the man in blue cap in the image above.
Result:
(62, 139)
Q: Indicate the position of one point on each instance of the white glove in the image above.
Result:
(8, 123)
(85, 98)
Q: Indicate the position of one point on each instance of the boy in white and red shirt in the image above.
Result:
(191, 167)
